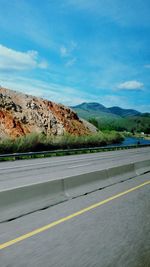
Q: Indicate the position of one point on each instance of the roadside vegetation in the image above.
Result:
(40, 142)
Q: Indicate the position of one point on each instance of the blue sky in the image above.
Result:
(74, 51)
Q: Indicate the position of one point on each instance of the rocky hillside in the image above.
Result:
(22, 114)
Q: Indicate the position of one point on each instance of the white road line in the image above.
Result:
(76, 166)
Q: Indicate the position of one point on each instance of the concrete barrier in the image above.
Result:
(79, 185)
(86, 183)
(142, 167)
(26, 199)
(121, 173)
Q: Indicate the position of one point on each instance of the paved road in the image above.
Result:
(113, 234)
(23, 172)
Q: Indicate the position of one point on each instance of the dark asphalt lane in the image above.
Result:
(23, 172)
(116, 234)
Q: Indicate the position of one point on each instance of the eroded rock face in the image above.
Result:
(22, 114)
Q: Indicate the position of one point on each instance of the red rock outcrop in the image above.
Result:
(22, 114)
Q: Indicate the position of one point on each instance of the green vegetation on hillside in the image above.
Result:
(135, 124)
(114, 118)
(39, 142)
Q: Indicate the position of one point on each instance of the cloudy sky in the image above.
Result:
(73, 51)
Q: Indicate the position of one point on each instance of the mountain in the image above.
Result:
(92, 107)
(124, 112)
(96, 110)
(22, 114)
(89, 110)
(114, 118)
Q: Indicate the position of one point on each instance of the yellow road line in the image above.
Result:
(48, 226)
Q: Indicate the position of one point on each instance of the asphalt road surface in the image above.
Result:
(25, 172)
(115, 232)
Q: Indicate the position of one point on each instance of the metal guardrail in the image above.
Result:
(72, 151)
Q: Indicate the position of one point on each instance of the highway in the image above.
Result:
(104, 229)
(26, 172)
(109, 226)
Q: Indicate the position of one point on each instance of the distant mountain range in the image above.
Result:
(95, 110)
(114, 118)
(124, 112)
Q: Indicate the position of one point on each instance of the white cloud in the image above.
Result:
(64, 52)
(15, 60)
(131, 85)
(67, 53)
(43, 64)
(71, 62)
(66, 95)
(52, 91)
